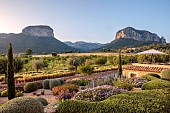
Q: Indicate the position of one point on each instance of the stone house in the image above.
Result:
(138, 70)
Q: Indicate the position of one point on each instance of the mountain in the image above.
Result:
(140, 35)
(84, 46)
(39, 38)
(123, 42)
(130, 37)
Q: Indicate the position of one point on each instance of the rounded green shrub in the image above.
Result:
(149, 77)
(53, 83)
(4, 93)
(83, 82)
(85, 69)
(165, 74)
(154, 75)
(61, 80)
(30, 87)
(156, 84)
(22, 105)
(46, 84)
(100, 60)
(43, 101)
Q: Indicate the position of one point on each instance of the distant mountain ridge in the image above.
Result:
(39, 38)
(131, 37)
(124, 42)
(84, 46)
(140, 35)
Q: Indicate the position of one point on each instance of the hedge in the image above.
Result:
(154, 75)
(149, 77)
(165, 74)
(147, 101)
(156, 84)
(43, 77)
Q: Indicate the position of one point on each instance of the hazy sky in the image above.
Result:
(86, 20)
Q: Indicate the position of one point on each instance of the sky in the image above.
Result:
(86, 20)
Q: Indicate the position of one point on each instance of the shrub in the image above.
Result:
(100, 60)
(54, 54)
(30, 87)
(73, 81)
(37, 64)
(70, 87)
(43, 101)
(19, 94)
(39, 85)
(83, 82)
(43, 77)
(156, 84)
(61, 80)
(85, 69)
(22, 105)
(154, 75)
(149, 77)
(56, 90)
(148, 101)
(4, 93)
(98, 93)
(165, 74)
(123, 83)
(46, 84)
(53, 83)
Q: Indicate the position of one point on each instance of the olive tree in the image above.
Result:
(37, 64)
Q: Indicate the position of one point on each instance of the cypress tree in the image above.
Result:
(119, 71)
(10, 74)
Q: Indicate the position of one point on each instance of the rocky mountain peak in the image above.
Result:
(140, 35)
(40, 31)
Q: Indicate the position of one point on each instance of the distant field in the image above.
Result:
(83, 54)
(42, 55)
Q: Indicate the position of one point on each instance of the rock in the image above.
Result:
(40, 31)
(140, 35)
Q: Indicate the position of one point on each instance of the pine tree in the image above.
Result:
(10, 74)
(119, 65)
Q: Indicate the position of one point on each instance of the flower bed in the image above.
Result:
(138, 82)
(98, 93)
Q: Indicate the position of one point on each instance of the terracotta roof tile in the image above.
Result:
(145, 68)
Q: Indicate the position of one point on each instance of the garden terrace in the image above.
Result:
(96, 75)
